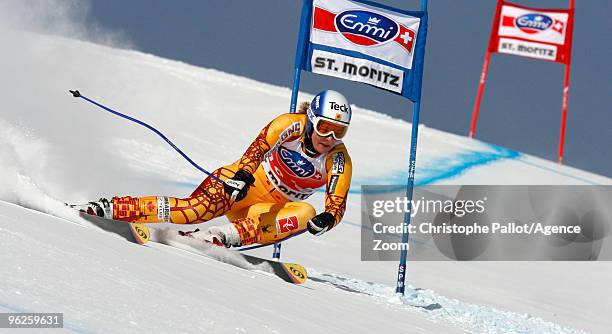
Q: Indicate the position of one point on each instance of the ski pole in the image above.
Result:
(76, 93)
(276, 253)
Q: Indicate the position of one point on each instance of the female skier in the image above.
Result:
(262, 192)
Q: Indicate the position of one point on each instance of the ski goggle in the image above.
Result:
(325, 127)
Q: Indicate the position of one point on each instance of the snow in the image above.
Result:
(55, 148)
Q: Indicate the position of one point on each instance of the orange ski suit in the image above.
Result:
(265, 215)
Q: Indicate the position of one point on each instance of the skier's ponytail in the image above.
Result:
(303, 107)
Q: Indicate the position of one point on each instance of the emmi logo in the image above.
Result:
(366, 28)
(296, 163)
(533, 23)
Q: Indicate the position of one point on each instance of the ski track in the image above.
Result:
(169, 237)
(471, 317)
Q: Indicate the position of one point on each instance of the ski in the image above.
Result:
(289, 272)
(133, 232)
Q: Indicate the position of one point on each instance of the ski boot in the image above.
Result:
(224, 235)
(102, 208)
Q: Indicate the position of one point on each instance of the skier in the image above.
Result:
(261, 195)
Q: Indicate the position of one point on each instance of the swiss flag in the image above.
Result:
(405, 38)
(558, 26)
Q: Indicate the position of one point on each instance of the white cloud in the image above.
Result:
(69, 18)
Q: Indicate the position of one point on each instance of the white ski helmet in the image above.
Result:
(329, 113)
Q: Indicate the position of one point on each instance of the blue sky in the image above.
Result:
(521, 105)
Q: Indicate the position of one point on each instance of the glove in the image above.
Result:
(238, 185)
(321, 223)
